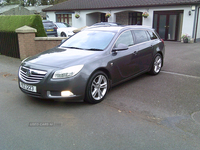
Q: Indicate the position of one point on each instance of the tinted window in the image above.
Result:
(141, 36)
(152, 35)
(125, 38)
(48, 24)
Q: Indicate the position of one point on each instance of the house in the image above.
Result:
(171, 18)
(21, 10)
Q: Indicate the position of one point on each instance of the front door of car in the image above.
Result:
(125, 62)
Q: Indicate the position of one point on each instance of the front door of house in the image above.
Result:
(168, 25)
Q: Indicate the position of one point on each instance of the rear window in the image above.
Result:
(48, 24)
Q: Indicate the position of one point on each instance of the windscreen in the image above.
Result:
(62, 25)
(89, 40)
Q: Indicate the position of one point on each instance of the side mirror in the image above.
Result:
(120, 47)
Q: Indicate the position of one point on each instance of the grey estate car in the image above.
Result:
(89, 63)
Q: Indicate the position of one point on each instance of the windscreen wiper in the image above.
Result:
(94, 49)
(72, 47)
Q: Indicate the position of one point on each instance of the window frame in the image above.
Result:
(66, 19)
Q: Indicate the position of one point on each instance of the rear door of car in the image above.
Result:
(145, 49)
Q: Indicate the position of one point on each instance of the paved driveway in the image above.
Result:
(148, 112)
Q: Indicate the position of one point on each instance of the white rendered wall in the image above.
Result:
(51, 16)
(89, 17)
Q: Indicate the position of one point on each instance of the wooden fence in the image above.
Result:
(9, 44)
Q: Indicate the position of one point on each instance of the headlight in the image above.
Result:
(67, 72)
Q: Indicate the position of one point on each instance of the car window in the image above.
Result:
(125, 38)
(141, 36)
(90, 40)
(62, 25)
(48, 24)
(152, 35)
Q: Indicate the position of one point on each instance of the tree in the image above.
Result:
(8, 1)
(33, 2)
(53, 2)
(44, 2)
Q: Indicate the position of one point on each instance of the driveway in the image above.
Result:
(148, 112)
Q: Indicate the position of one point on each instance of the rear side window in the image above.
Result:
(141, 36)
(125, 38)
(152, 35)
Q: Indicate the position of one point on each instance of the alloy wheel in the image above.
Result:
(157, 64)
(99, 87)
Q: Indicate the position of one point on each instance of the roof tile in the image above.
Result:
(111, 4)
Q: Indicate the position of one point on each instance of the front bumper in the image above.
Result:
(49, 88)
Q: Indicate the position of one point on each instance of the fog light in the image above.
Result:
(66, 93)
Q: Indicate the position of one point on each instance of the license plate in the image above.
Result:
(28, 87)
(50, 30)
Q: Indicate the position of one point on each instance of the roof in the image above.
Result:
(72, 5)
(30, 8)
(7, 7)
(37, 8)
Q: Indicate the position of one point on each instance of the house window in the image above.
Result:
(103, 18)
(67, 18)
(135, 18)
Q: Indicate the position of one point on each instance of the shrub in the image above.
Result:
(11, 23)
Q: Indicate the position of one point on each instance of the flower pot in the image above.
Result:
(185, 40)
(145, 16)
(77, 16)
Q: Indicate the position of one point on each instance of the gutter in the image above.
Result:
(116, 7)
(197, 20)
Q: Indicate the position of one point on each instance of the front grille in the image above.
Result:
(31, 75)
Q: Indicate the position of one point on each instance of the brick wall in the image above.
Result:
(45, 43)
(30, 45)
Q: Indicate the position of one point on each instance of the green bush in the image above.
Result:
(11, 23)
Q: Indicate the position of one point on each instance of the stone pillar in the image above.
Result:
(26, 40)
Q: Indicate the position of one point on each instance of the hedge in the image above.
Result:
(11, 23)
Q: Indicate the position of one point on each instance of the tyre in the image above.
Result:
(157, 64)
(97, 87)
(63, 34)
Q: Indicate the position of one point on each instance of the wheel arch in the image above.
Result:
(63, 32)
(159, 52)
(106, 72)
